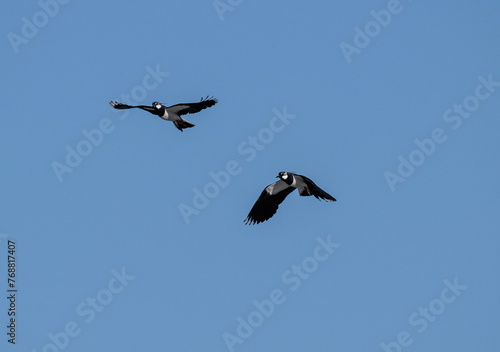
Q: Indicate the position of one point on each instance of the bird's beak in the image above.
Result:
(278, 176)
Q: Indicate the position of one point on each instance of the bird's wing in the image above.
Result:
(311, 189)
(191, 108)
(116, 105)
(267, 203)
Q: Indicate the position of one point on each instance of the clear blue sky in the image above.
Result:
(391, 107)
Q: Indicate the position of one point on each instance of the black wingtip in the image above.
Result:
(251, 221)
(208, 98)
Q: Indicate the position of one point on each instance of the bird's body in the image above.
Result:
(272, 196)
(172, 113)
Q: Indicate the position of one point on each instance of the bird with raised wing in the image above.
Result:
(172, 113)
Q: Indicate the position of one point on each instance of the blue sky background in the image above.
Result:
(119, 208)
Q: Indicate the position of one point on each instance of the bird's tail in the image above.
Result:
(181, 123)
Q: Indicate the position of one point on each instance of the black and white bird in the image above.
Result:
(272, 196)
(172, 113)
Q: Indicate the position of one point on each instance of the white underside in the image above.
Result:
(298, 182)
(170, 116)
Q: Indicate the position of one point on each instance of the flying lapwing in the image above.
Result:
(172, 113)
(272, 196)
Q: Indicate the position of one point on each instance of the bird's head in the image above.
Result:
(283, 175)
(156, 105)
